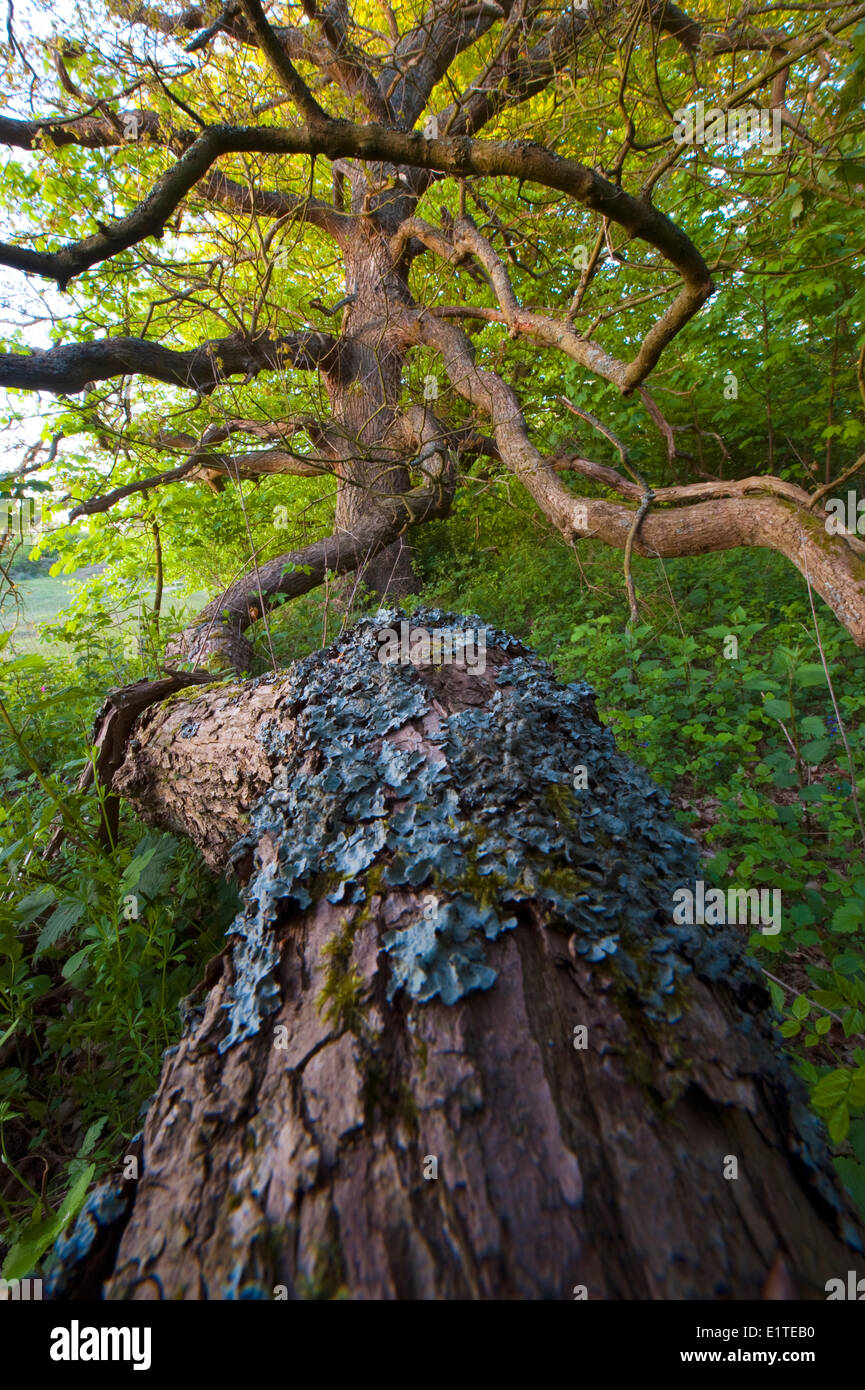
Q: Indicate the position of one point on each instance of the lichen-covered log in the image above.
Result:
(383, 1093)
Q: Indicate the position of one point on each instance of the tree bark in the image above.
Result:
(383, 1095)
(365, 392)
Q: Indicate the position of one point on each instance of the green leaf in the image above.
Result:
(838, 1124)
(26, 1253)
(812, 727)
(784, 779)
(856, 1138)
(852, 1175)
(814, 792)
(831, 1090)
(848, 963)
(811, 673)
(778, 709)
(64, 916)
(75, 961)
(856, 1094)
(93, 1133)
(854, 1022)
(31, 906)
(848, 917)
(135, 868)
(815, 750)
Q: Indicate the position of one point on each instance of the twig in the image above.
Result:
(790, 990)
(836, 482)
(842, 731)
(645, 504)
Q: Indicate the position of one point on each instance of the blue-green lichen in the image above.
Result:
(493, 823)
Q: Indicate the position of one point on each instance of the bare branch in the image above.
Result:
(282, 64)
(524, 161)
(68, 369)
(110, 499)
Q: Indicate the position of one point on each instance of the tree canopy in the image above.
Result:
(403, 249)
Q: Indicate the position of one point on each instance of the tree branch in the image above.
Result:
(65, 370)
(509, 80)
(557, 333)
(349, 64)
(266, 202)
(99, 132)
(90, 131)
(463, 158)
(778, 523)
(217, 633)
(110, 499)
(423, 55)
(282, 65)
(200, 466)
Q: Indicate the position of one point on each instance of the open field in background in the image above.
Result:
(39, 600)
(32, 601)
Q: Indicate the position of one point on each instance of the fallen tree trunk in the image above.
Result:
(450, 873)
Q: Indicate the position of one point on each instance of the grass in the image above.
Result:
(39, 600)
(32, 601)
